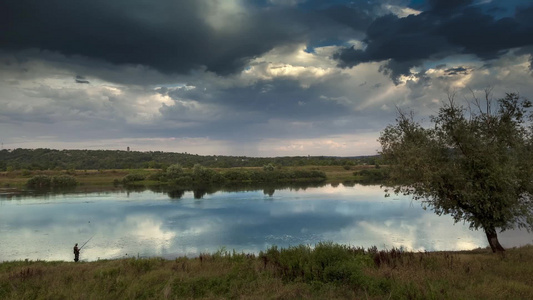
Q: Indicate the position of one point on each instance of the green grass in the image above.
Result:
(328, 271)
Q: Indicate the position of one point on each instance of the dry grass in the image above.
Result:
(272, 275)
(86, 178)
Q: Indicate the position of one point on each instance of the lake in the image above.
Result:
(177, 223)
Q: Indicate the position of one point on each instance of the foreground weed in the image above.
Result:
(325, 271)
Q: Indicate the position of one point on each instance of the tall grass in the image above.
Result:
(326, 271)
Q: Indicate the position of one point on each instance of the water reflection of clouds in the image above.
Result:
(151, 224)
(356, 193)
(417, 234)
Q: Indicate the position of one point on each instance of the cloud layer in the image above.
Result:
(447, 28)
(260, 78)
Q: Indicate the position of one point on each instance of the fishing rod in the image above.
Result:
(87, 241)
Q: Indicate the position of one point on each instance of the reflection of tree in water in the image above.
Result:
(176, 194)
(349, 183)
(199, 193)
(335, 184)
(269, 191)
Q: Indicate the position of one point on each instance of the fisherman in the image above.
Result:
(76, 253)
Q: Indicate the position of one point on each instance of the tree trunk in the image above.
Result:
(492, 237)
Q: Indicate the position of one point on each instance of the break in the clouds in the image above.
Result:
(262, 77)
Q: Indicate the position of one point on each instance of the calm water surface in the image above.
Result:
(154, 224)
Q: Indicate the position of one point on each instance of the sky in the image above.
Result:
(254, 78)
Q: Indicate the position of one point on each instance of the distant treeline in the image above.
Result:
(175, 175)
(50, 159)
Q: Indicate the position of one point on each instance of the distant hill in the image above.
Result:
(48, 159)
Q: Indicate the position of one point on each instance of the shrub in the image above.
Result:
(45, 181)
(202, 174)
(158, 176)
(174, 171)
(268, 168)
(39, 181)
(64, 181)
(185, 180)
(326, 263)
(132, 178)
(237, 175)
(372, 175)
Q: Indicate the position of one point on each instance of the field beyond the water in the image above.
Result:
(327, 271)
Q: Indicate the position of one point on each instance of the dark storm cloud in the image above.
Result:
(170, 36)
(359, 15)
(447, 6)
(449, 27)
(256, 105)
(456, 71)
(278, 108)
(81, 79)
(175, 36)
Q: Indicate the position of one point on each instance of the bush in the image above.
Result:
(202, 174)
(174, 171)
(237, 175)
(45, 181)
(39, 181)
(268, 168)
(64, 181)
(158, 176)
(326, 263)
(185, 180)
(132, 178)
(372, 175)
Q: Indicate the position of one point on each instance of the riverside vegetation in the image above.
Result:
(327, 271)
(176, 175)
(109, 168)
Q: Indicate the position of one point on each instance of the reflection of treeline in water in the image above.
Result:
(175, 175)
(177, 192)
(50, 159)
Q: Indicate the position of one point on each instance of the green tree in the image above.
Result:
(474, 163)
(174, 171)
(269, 168)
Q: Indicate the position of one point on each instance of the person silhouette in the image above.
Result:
(76, 253)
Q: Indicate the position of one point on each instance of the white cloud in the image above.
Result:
(400, 11)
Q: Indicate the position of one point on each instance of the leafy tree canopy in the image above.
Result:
(475, 163)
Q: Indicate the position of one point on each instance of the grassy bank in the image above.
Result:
(328, 271)
(97, 179)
